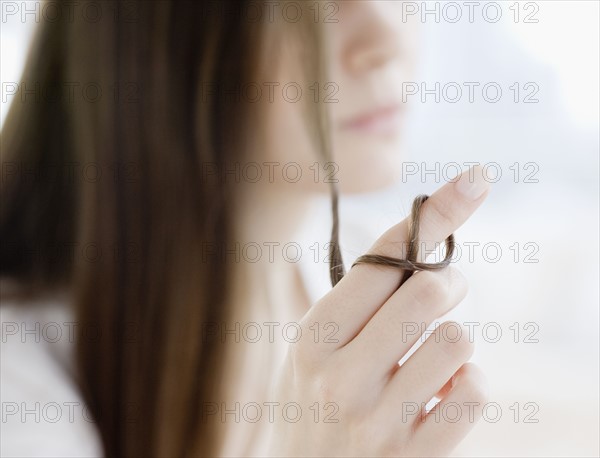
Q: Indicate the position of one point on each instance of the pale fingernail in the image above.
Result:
(472, 185)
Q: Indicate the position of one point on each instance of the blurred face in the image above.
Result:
(369, 57)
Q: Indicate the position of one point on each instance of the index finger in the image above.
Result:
(365, 288)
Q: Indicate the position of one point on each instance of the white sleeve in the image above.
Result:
(42, 411)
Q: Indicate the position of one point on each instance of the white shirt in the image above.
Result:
(43, 413)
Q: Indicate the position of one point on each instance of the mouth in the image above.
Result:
(381, 121)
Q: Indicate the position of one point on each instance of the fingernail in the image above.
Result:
(472, 185)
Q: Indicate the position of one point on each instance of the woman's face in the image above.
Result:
(369, 57)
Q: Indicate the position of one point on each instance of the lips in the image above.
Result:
(384, 120)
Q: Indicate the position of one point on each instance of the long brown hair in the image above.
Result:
(138, 226)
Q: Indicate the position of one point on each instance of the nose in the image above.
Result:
(373, 42)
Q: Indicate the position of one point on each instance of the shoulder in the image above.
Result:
(43, 413)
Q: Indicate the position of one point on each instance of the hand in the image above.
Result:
(355, 397)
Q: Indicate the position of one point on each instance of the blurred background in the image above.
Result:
(531, 252)
(547, 386)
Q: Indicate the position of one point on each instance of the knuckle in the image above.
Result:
(454, 340)
(432, 289)
(475, 384)
(304, 352)
(437, 292)
(458, 283)
(330, 386)
(302, 356)
(393, 448)
(327, 380)
(437, 215)
(477, 392)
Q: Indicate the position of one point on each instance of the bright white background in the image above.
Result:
(559, 213)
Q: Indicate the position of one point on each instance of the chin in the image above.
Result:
(369, 168)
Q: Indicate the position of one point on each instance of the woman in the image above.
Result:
(169, 124)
